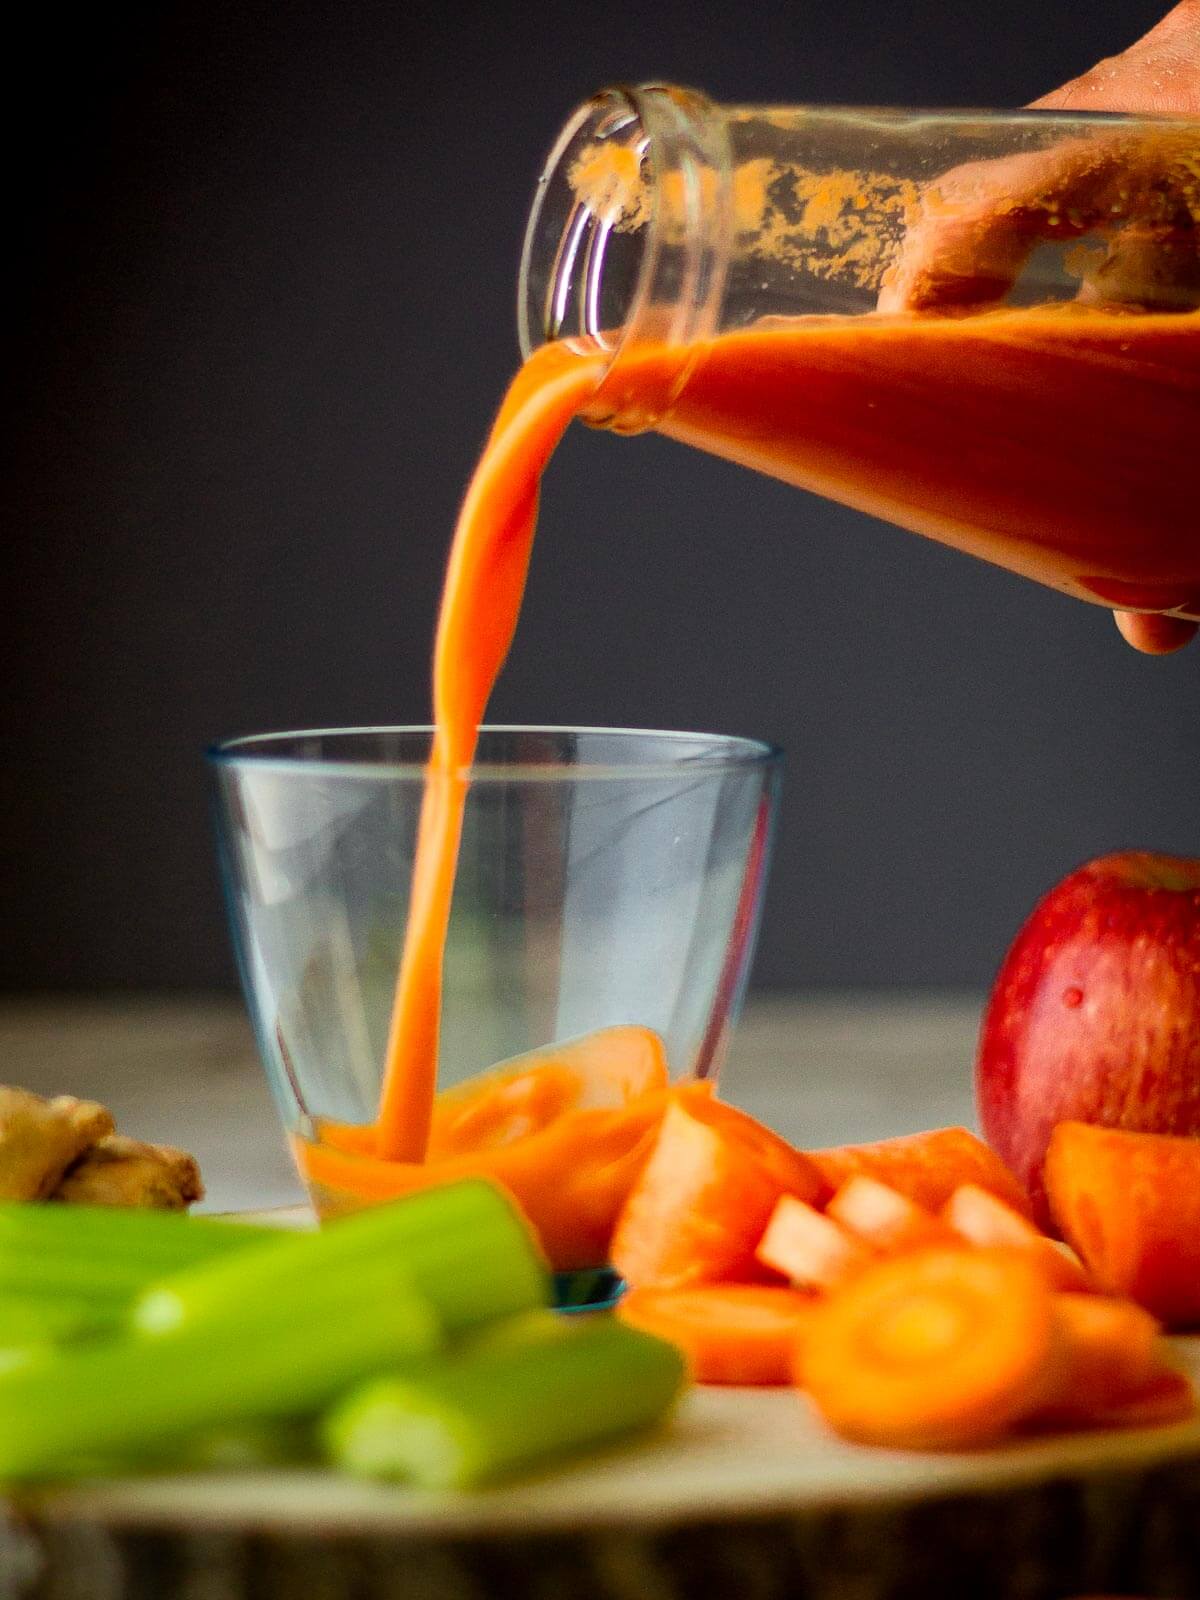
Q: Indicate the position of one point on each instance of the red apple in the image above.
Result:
(1095, 1013)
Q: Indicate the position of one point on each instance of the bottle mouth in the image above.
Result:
(588, 239)
(627, 245)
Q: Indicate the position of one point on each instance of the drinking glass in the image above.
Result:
(606, 876)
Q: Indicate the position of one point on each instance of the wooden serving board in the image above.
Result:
(743, 1495)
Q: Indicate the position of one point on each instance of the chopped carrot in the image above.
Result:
(1111, 1351)
(982, 1218)
(705, 1196)
(937, 1349)
(926, 1167)
(571, 1179)
(729, 1332)
(602, 1070)
(1130, 1205)
(811, 1249)
(1166, 1397)
(884, 1218)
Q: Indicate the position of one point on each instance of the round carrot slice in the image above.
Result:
(939, 1349)
(729, 1333)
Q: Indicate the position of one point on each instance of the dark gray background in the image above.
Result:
(265, 258)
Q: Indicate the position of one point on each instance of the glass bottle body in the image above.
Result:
(981, 326)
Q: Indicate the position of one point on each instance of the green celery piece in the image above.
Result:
(464, 1247)
(83, 1276)
(171, 1234)
(230, 1447)
(35, 1319)
(100, 1252)
(284, 1355)
(243, 1447)
(506, 1402)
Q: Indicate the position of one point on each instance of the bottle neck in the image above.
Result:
(628, 244)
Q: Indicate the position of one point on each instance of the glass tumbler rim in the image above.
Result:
(718, 752)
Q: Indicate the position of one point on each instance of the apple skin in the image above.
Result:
(1095, 1012)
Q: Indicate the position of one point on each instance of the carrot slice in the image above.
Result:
(571, 1179)
(1166, 1397)
(728, 1332)
(809, 1248)
(884, 1218)
(1130, 1205)
(937, 1349)
(1110, 1352)
(705, 1196)
(983, 1219)
(926, 1167)
(601, 1070)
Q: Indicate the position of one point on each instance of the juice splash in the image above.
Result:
(1051, 440)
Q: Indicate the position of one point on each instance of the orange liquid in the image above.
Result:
(481, 600)
(1052, 441)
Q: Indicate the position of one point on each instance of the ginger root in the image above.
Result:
(118, 1171)
(40, 1139)
(69, 1149)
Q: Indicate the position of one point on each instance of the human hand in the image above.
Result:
(972, 246)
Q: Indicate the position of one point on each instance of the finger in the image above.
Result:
(978, 224)
(1154, 635)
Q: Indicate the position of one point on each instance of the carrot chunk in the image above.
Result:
(1110, 1352)
(1130, 1205)
(937, 1349)
(809, 1248)
(926, 1167)
(983, 1219)
(884, 1218)
(1166, 1397)
(728, 1332)
(704, 1197)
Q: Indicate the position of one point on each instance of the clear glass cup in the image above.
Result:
(605, 877)
(980, 325)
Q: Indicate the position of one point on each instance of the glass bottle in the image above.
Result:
(982, 326)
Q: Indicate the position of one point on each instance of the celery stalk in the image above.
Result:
(282, 1355)
(464, 1247)
(227, 1447)
(164, 1237)
(106, 1255)
(505, 1402)
(53, 1274)
(36, 1319)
